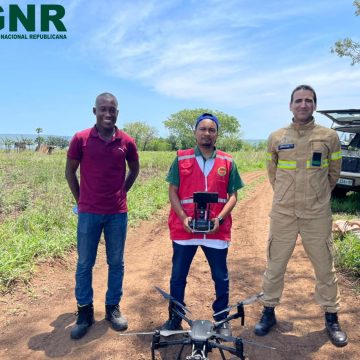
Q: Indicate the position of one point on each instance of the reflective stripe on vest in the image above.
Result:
(336, 155)
(186, 157)
(190, 201)
(324, 164)
(224, 157)
(287, 164)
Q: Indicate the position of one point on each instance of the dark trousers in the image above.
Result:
(181, 260)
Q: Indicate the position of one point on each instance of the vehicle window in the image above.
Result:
(345, 137)
(355, 142)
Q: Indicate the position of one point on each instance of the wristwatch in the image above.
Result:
(221, 220)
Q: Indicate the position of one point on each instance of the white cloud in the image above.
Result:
(233, 53)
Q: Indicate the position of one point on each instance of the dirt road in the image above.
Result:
(36, 320)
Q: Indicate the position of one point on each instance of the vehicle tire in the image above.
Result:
(339, 192)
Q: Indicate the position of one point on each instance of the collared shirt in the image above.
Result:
(303, 164)
(235, 183)
(102, 170)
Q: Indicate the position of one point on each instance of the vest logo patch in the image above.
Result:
(221, 171)
(286, 146)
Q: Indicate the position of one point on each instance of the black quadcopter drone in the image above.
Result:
(203, 335)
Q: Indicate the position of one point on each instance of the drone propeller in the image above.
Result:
(161, 332)
(169, 297)
(234, 339)
(247, 301)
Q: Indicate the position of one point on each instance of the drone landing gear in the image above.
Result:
(238, 351)
(157, 344)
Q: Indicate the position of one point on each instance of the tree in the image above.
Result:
(39, 140)
(8, 143)
(141, 132)
(159, 144)
(58, 141)
(261, 145)
(28, 142)
(229, 143)
(348, 47)
(175, 144)
(181, 126)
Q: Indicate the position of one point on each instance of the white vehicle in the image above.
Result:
(347, 124)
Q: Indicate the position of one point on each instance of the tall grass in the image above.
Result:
(37, 223)
(346, 207)
(347, 246)
(249, 160)
(348, 254)
(36, 216)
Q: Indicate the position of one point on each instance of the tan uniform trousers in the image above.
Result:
(317, 241)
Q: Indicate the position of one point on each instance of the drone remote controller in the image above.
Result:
(201, 222)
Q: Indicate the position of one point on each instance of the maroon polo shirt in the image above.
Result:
(102, 170)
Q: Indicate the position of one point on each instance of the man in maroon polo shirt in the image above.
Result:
(102, 153)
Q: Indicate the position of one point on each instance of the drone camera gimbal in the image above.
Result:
(201, 223)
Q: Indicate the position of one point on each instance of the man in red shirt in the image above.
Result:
(102, 153)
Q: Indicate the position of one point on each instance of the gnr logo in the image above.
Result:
(50, 13)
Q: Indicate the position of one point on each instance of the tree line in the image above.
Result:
(26, 142)
(180, 125)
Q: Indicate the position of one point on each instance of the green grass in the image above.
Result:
(347, 256)
(347, 247)
(36, 216)
(249, 160)
(37, 223)
(348, 253)
(346, 208)
(147, 197)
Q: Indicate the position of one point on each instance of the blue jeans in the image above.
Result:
(90, 227)
(182, 258)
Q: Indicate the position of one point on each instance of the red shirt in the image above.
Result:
(102, 170)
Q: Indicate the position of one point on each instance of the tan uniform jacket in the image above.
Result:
(303, 163)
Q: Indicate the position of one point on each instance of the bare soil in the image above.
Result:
(36, 319)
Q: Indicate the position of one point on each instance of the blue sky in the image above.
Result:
(242, 57)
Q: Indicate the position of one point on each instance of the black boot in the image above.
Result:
(336, 335)
(113, 314)
(174, 323)
(267, 321)
(85, 319)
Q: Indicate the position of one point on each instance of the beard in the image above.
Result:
(207, 142)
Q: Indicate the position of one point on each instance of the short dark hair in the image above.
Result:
(106, 95)
(303, 87)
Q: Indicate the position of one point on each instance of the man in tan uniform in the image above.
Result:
(304, 161)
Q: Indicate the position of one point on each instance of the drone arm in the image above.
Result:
(247, 301)
(240, 313)
(162, 344)
(180, 314)
(238, 351)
